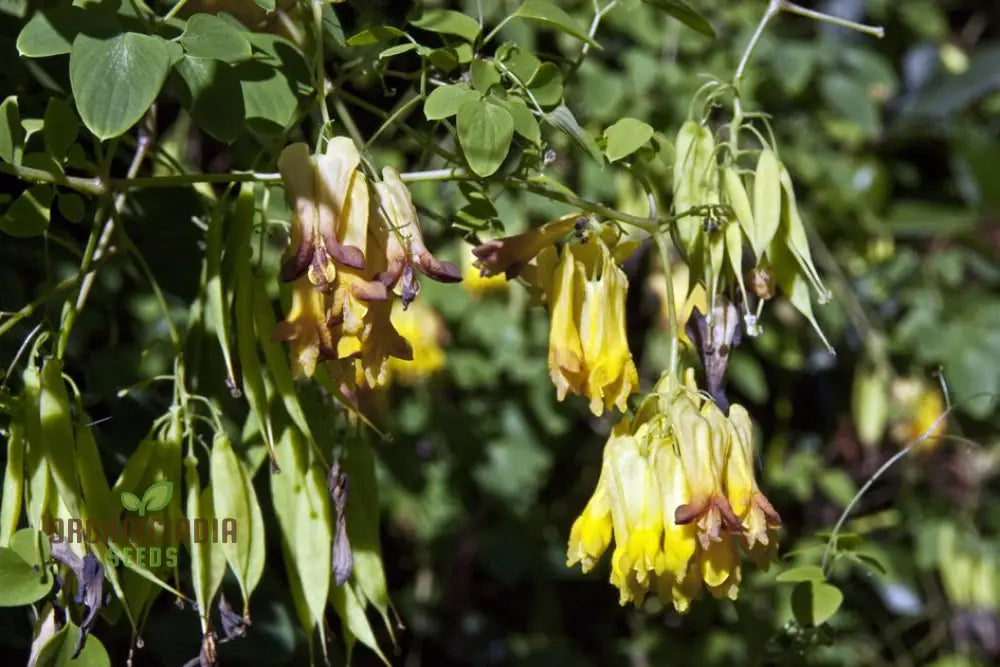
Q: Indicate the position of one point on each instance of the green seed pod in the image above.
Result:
(736, 197)
(13, 482)
(57, 435)
(870, 401)
(739, 201)
(36, 465)
(694, 178)
(795, 236)
(794, 284)
(766, 201)
(683, 155)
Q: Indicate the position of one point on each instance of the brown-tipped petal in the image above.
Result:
(391, 275)
(488, 252)
(347, 255)
(761, 501)
(730, 521)
(444, 272)
(686, 513)
(370, 291)
(295, 266)
(514, 270)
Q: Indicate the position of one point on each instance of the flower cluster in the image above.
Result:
(585, 290)
(678, 496)
(351, 251)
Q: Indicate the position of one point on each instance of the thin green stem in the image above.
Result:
(499, 26)
(319, 71)
(60, 287)
(645, 224)
(673, 359)
(125, 184)
(92, 186)
(773, 7)
(873, 30)
(173, 10)
(396, 115)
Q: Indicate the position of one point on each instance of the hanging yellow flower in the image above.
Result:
(588, 350)
(678, 496)
(350, 254)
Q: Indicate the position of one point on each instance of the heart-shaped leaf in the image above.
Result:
(115, 80)
(485, 131)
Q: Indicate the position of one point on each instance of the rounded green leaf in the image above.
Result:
(51, 32)
(71, 206)
(157, 496)
(58, 650)
(546, 85)
(814, 603)
(61, 128)
(29, 214)
(115, 80)
(445, 101)
(484, 75)
(212, 94)
(525, 122)
(683, 13)
(485, 131)
(20, 583)
(208, 36)
(449, 22)
(626, 137)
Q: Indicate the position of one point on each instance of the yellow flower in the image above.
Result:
(306, 328)
(667, 478)
(918, 409)
(588, 348)
(423, 330)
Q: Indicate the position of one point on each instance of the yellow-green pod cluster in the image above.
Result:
(765, 211)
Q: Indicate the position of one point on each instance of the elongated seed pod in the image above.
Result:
(766, 201)
(795, 236)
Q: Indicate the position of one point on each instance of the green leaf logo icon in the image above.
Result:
(155, 498)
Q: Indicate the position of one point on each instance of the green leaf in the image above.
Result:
(546, 85)
(115, 80)
(208, 36)
(354, 621)
(547, 12)
(57, 434)
(29, 214)
(396, 50)
(626, 137)
(445, 59)
(157, 496)
(449, 22)
(61, 128)
(484, 131)
(302, 505)
(525, 122)
(851, 98)
(374, 35)
(51, 32)
(445, 101)
(11, 132)
(212, 94)
(233, 497)
(272, 82)
(521, 62)
(20, 583)
(332, 29)
(484, 75)
(801, 573)
(58, 650)
(265, 4)
(130, 501)
(683, 13)
(562, 118)
(814, 603)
